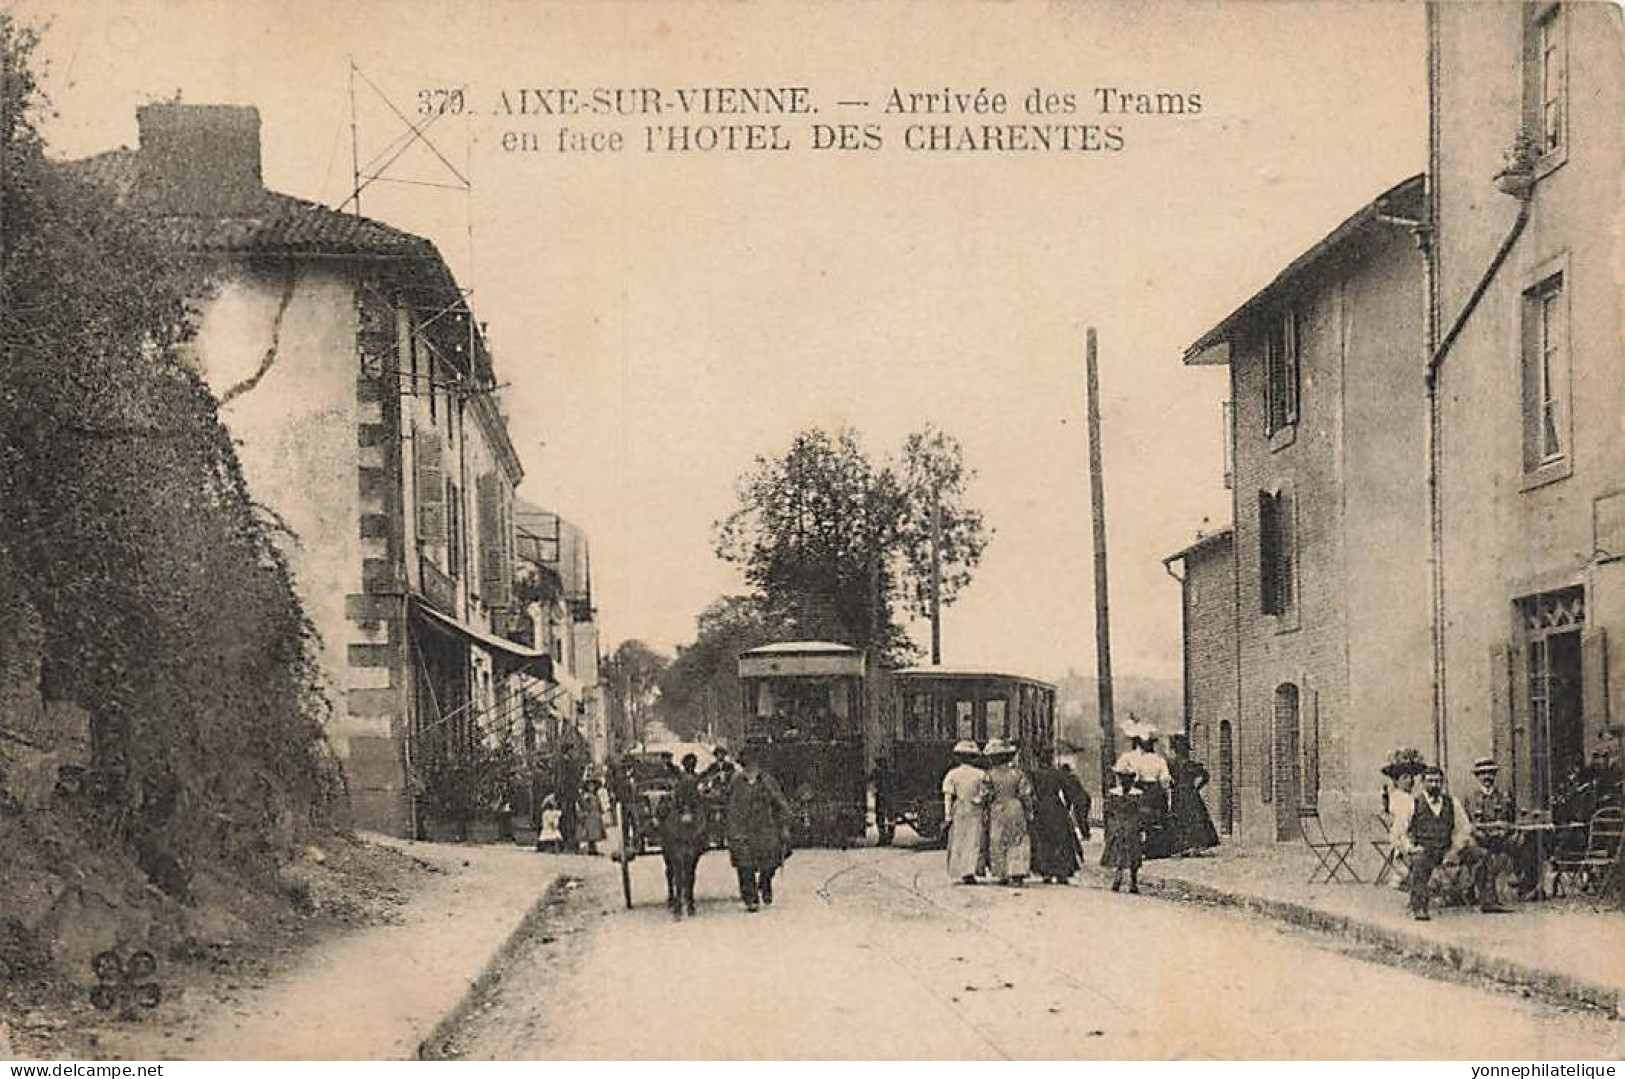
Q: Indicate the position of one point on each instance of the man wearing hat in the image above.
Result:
(1494, 841)
(1438, 827)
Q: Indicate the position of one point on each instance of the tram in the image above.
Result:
(929, 709)
(825, 726)
(805, 715)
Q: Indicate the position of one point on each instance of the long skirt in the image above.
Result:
(1055, 849)
(1009, 849)
(965, 836)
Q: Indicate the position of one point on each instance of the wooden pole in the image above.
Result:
(1103, 630)
(936, 576)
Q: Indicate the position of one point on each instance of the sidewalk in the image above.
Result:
(377, 994)
(1562, 950)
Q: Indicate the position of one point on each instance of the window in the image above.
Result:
(1276, 553)
(454, 531)
(1546, 374)
(965, 719)
(998, 725)
(1281, 371)
(1229, 446)
(1546, 79)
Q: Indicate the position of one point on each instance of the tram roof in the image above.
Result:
(951, 671)
(800, 648)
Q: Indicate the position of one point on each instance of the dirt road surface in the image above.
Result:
(871, 953)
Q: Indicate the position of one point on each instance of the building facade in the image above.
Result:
(557, 556)
(1328, 548)
(1210, 631)
(1527, 155)
(351, 374)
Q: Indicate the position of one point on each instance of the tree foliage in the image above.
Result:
(168, 609)
(833, 543)
(633, 674)
(700, 688)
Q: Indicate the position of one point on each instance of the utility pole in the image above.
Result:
(1103, 629)
(936, 575)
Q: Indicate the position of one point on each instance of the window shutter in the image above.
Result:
(1520, 725)
(496, 585)
(1311, 748)
(1269, 552)
(431, 487)
(1291, 367)
(1594, 682)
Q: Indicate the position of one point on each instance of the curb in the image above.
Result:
(1548, 985)
(433, 1044)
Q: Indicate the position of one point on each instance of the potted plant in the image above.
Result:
(1517, 175)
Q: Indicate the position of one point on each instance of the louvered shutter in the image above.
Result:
(1594, 682)
(428, 458)
(496, 579)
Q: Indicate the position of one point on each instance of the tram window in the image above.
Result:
(917, 717)
(765, 704)
(965, 719)
(805, 707)
(998, 724)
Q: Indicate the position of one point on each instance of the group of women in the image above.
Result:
(1154, 808)
(1007, 825)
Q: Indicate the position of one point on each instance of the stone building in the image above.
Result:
(1328, 547)
(1528, 364)
(361, 394)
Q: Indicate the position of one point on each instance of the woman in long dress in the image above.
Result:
(1010, 800)
(1055, 846)
(1154, 780)
(964, 798)
(1192, 829)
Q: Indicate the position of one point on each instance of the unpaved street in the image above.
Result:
(871, 954)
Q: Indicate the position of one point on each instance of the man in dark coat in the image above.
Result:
(1438, 827)
(1077, 797)
(758, 829)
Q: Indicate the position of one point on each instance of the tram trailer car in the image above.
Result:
(805, 705)
(929, 709)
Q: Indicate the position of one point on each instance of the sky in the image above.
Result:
(658, 320)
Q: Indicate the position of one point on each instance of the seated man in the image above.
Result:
(1439, 828)
(1492, 847)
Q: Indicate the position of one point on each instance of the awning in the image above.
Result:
(516, 655)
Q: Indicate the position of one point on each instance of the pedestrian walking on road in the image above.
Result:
(1009, 810)
(1055, 847)
(592, 816)
(758, 829)
(1151, 775)
(1125, 825)
(964, 806)
(1191, 830)
(1077, 797)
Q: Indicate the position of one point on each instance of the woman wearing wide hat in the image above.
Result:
(1010, 800)
(1154, 780)
(964, 802)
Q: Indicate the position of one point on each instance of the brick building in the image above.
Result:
(1328, 549)
(1527, 155)
(1209, 629)
(360, 392)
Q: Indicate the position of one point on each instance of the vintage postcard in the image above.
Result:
(711, 530)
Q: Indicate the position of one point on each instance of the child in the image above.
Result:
(1125, 824)
(549, 836)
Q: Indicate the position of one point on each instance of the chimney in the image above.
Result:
(201, 160)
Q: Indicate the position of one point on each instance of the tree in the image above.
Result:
(699, 691)
(633, 674)
(168, 611)
(831, 542)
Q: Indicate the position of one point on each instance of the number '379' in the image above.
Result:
(440, 102)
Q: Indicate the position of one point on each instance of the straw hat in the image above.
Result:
(966, 748)
(1486, 766)
(998, 747)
